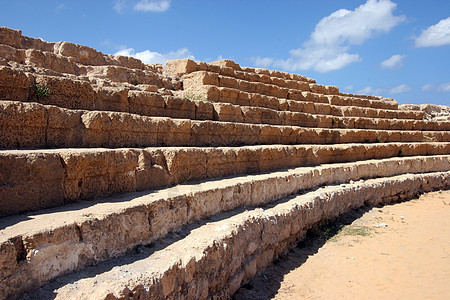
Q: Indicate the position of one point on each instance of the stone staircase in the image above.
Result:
(122, 180)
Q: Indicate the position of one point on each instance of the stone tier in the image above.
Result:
(51, 243)
(32, 125)
(300, 91)
(36, 179)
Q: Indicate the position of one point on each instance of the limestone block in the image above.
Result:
(12, 54)
(203, 93)
(252, 114)
(203, 110)
(332, 90)
(111, 98)
(278, 81)
(175, 132)
(151, 172)
(65, 92)
(94, 173)
(291, 84)
(259, 71)
(14, 84)
(264, 78)
(185, 164)
(200, 78)
(179, 108)
(244, 98)
(81, 53)
(321, 98)
(275, 73)
(229, 82)
(227, 113)
(253, 77)
(38, 44)
(128, 130)
(245, 86)
(129, 62)
(270, 116)
(270, 135)
(180, 67)
(48, 60)
(146, 103)
(30, 182)
(226, 71)
(10, 37)
(22, 125)
(97, 126)
(65, 128)
(229, 95)
(220, 162)
(226, 63)
(239, 75)
(317, 88)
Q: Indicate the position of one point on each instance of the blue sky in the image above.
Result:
(393, 48)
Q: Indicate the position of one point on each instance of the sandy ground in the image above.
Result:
(399, 251)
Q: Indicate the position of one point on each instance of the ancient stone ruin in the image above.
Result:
(120, 179)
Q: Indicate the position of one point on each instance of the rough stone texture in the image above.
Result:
(176, 121)
(90, 173)
(230, 248)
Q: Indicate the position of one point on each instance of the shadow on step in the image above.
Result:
(266, 283)
(133, 257)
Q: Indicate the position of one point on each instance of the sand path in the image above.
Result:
(399, 251)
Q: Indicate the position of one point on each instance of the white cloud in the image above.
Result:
(349, 87)
(443, 87)
(394, 62)
(152, 5)
(368, 90)
(150, 57)
(263, 62)
(428, 87)
(329, 45)
(119, 5)
(435, 35)
(402, 88)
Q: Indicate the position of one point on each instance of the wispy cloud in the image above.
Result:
(443, 87)
(152, 5)
(142, 5)
(119, 5)
(151, 57)
(368, 90)
(394, 62)
(329, 45)
(402, 88)
(435, 35)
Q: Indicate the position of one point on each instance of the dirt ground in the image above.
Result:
(399, 251)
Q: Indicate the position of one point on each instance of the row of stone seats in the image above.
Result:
(38, 179)
(32, 125)
(75, 53)
(271, 86)
(230, 87)
(78, 94)
(81, 234)
(68, 58)
(180, 253)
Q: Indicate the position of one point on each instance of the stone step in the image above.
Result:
(309, 103)
(81, 94)
(75, 53)
(32, 125)
(305, 91)
(204, 259)
(37, 179)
